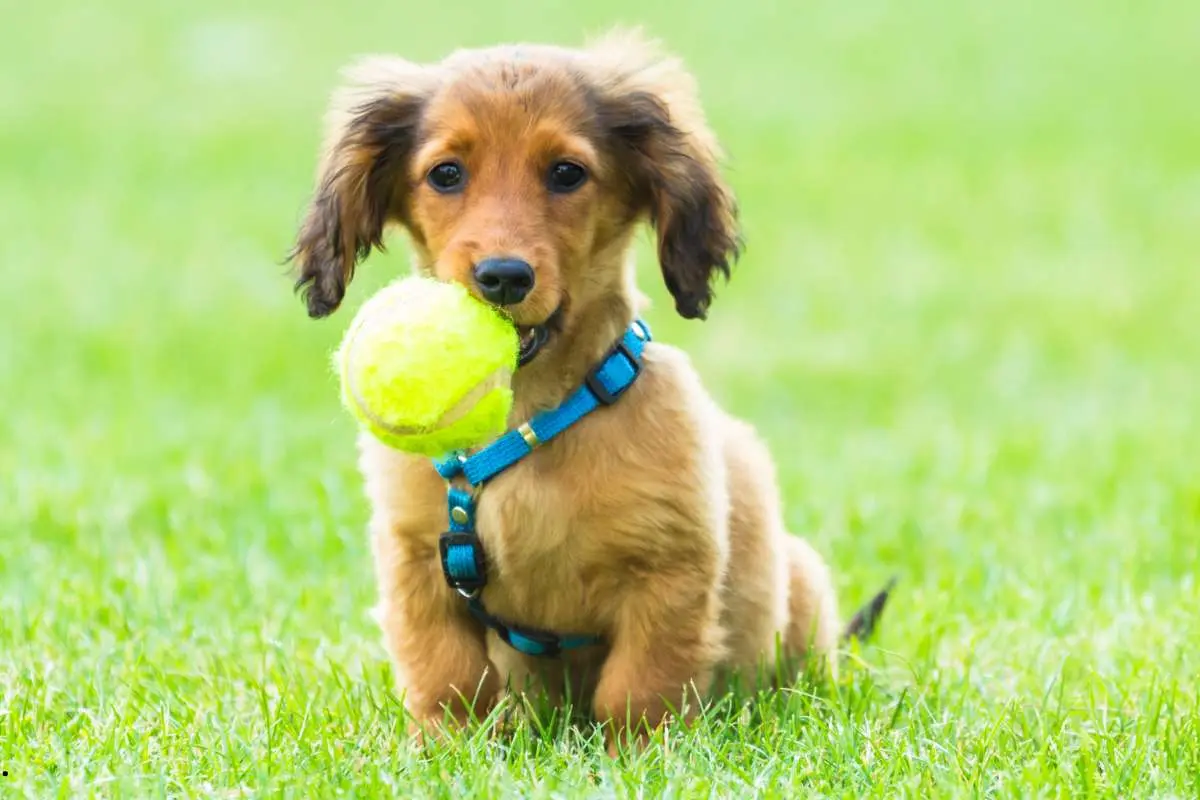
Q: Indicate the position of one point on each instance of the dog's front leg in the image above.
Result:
(437, 649)
(665, 644)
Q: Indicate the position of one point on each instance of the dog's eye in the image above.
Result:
(565, 176)
(447, 177)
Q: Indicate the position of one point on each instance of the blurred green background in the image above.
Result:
(966, 321)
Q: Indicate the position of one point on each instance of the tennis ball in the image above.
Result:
(425, 367)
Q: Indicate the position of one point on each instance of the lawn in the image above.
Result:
(967, 321)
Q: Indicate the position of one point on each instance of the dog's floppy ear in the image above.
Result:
(650, 112)
(372, 126)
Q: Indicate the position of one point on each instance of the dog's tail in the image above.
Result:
(863, 623)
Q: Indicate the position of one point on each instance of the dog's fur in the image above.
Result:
(655, 522)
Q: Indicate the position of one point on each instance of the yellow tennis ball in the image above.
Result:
(425, 367)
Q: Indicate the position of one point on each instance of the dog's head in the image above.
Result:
(521, 172)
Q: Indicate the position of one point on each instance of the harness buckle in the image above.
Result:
(597, 387)
(463, 564)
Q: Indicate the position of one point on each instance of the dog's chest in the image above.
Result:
(527, 527)
(542, 537)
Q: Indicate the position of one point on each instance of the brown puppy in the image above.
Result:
(655, 522)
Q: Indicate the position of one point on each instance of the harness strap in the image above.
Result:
(530, 641)
(463, 562)
(606, 382)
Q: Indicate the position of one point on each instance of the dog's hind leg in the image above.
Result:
(812, 628)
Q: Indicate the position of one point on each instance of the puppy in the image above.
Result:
(654, 523)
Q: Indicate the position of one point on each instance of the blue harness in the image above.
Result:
(463, 561)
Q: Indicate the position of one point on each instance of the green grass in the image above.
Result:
(967, 322)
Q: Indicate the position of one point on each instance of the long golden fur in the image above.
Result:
(656, 522)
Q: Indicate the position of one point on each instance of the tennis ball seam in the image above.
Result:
(425, 366)
(456, 412)
(458, 408)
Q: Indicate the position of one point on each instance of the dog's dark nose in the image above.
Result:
(504, 281)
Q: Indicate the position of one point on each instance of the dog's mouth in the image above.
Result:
(534, 337)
